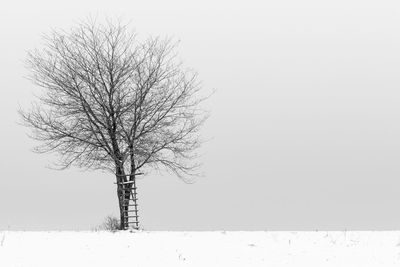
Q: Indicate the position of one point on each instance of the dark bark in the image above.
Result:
(120, 193)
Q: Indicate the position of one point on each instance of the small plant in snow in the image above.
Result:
(110, 223)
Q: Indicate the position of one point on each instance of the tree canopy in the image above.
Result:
(114, 102)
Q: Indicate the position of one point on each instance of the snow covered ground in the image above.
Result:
(204, 249)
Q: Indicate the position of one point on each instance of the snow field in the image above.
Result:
(205, 249)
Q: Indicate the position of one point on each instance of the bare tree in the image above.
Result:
(115, 103)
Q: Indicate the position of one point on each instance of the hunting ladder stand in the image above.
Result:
(129, 210)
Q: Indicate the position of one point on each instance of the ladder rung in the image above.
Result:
(123, 175)
(129, 210)
(133, 199)
(129, 182)
(126, 189)
(132, 216)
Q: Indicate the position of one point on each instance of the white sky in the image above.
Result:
(305, 121)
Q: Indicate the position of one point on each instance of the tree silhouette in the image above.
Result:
(115, 103)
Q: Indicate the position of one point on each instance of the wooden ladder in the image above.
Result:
(129, 207)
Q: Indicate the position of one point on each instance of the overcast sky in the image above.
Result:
(305, 121)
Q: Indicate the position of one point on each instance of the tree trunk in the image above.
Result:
(121, 196)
